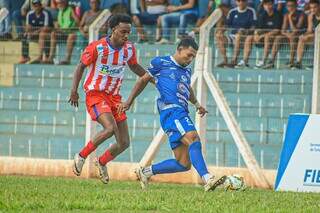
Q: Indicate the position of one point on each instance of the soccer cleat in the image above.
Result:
(143, 179)
(103, 172)
(212, 184)
(78, 164)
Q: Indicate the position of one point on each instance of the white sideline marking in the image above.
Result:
(42, 78)
(29, 147)
(20, 100)
(39, 101)
(34, 129)
(58, 102)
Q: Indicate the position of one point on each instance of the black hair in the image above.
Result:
(293, 1)
(314, 2)
(188, 41)
(267, 1)
(115, 20)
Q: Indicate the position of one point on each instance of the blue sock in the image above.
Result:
(196, 158)
(168, 166)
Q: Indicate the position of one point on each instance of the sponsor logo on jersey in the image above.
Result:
(105, 70)
(184, 78)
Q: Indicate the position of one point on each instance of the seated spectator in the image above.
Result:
(178, 15)
(241, 20)
(88, 17)
(308, 37)
(38, 25)
(292, 26)
(211, 7)
(269, 25)
(233, 3)
(18, 16)
(64, 31)
(5, 25)
(149, 14)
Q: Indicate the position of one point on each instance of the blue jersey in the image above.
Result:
(172, 81)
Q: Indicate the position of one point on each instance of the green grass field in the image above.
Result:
(33, 194)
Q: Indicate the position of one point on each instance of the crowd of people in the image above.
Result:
(264, 23)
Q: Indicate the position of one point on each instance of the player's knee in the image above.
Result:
(192, 137)
(124, 145)
(106, 132)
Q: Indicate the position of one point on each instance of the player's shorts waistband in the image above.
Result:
(168, 106)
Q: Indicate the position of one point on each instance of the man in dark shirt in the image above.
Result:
(240, 21)
(293, 25)
(269, 24)
(39, 23)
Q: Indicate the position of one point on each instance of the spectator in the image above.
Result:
(5, 25)
(233, 3)
(88, 17)
(308, 37)
(180, 15)
(38, 25)
(18, 16)
(269, 25)
(241, 20)
(64, 31)
(292, 26)
(149, 15)
(211, 7)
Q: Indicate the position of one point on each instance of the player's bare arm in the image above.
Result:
(74, 96)
(200, 109)
(137, 89)
(139, 71)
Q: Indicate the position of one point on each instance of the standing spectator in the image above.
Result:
(38, 26)
(308, 37)
(88, 17)
(5, 23)
(178, 15)
(292, 26)
(65, 31)
(149, 15)
(269, 25)
(241, 20)
(18, 16)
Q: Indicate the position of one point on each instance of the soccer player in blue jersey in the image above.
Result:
(172, 75)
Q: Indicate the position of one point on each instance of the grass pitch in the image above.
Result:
(35, 194)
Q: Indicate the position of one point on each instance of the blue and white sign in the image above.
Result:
(299, 167)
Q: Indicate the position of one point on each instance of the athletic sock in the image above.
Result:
(147, 171)
(196, 158)
(168, 166)
(206, 177)
(89, 148)
(105, 158)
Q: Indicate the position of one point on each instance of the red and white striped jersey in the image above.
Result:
(106, 65)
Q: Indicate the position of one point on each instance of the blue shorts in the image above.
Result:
(176, 122)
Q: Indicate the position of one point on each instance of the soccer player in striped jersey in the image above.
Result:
(105, 60)
(172, 75)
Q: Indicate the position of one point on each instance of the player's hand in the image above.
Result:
(74, 98)
(124, 106)
(201, 111)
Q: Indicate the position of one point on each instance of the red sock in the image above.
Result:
(105, 158)
(90, 147)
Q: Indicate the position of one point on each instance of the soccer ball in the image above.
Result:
(234, 183)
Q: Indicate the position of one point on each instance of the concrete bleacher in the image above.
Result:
(37, 121)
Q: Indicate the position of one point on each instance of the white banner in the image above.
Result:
(299, 167)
